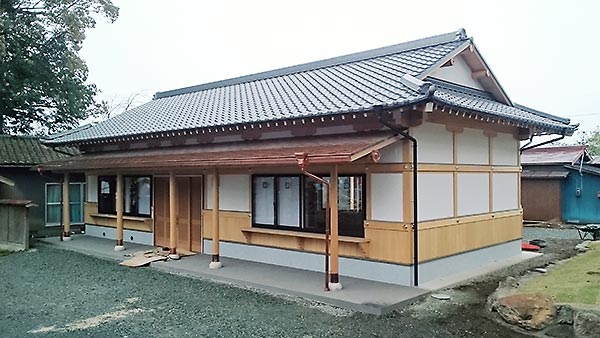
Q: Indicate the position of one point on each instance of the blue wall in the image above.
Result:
(585, 208)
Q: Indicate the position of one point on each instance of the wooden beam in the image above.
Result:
(334, 281)
(119, 209)
(476, 75)
(172, 213)
(66, 208)
(215, 261)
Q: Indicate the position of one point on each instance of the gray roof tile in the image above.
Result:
(351, 83)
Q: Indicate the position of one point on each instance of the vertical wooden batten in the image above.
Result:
(66, 216)
(215, 261)
(119, 209)
(334, 283)
(172, 215)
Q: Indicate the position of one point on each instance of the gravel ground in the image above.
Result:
(530, 233)
(49, 292)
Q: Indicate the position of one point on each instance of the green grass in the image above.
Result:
(576, 281)
(4, 253)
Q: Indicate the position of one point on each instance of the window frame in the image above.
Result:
(301, 201)
(82, 190)
(276, 203)
(114, 196)
(138, 214)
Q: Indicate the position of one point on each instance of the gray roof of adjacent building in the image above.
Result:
(359, 82)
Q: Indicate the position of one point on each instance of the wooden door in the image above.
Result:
(161, 211)
(189, 207)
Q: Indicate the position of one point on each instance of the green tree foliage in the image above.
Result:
(42, 78)
(592, 140)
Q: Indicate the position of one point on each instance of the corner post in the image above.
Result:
(216, 261)
(119, 209)
(334, 283)
(66, 208)
(173, 216)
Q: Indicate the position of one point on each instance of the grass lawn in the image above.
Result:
(576, 281)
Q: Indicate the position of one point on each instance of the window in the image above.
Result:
(107, 190)
(53, 203)
(137, 195)
(298, 203)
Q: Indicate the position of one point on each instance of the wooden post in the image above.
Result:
(119, 209)
(334, 283)
(66, 209)
(215, 262)
(173, 216)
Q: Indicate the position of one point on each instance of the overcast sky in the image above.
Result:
(544, 53)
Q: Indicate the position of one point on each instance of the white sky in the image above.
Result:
(544, 53)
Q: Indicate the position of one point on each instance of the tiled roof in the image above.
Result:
(17, 151)
(547, 155)
(479, 101)
(352, 83)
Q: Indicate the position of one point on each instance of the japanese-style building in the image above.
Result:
(240, 167)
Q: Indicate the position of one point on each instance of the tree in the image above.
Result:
(42, 78)
(592, 140)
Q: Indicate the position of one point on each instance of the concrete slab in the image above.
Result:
(452, 280)
(357, 294)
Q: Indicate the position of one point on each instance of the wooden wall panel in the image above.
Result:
(541, 200)
(131, 223)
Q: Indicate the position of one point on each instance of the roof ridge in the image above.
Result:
(459, 35)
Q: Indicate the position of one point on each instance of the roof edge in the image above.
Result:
(542, 114)
(353, 57)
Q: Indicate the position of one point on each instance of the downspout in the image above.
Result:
(302, 159)
(415, 195)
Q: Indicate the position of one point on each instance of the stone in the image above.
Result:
(587, 324)
(564, 314)
(560, 331)
(528, 311)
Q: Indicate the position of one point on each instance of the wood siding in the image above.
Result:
(541, 200)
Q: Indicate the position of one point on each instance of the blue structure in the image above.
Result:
(581, 195)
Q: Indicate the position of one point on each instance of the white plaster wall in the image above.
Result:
(505, 191)
(434, 143)
(392, 153)
(472, 147)
(92, 188)
(505, 150)
(436, 195)
(131, 236)
(473, 193)
(234, 192)
(459, 73)
(386, 197)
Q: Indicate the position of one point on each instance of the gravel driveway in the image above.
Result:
(49, 292)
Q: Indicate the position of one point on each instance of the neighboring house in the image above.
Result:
(17, 155)
(214, 168)
(553, 188)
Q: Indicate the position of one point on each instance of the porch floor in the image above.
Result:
(358, 294)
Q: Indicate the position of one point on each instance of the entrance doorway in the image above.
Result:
(189, 212)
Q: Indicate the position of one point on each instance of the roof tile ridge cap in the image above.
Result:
(420, 86)
(402, 47)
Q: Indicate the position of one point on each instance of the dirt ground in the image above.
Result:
(49, 292)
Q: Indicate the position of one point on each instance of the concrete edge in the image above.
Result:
(374, 309)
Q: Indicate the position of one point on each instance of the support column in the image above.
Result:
(119, 208)
(334, 281)
(215, 262)
(66, 209)
(173, 216)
